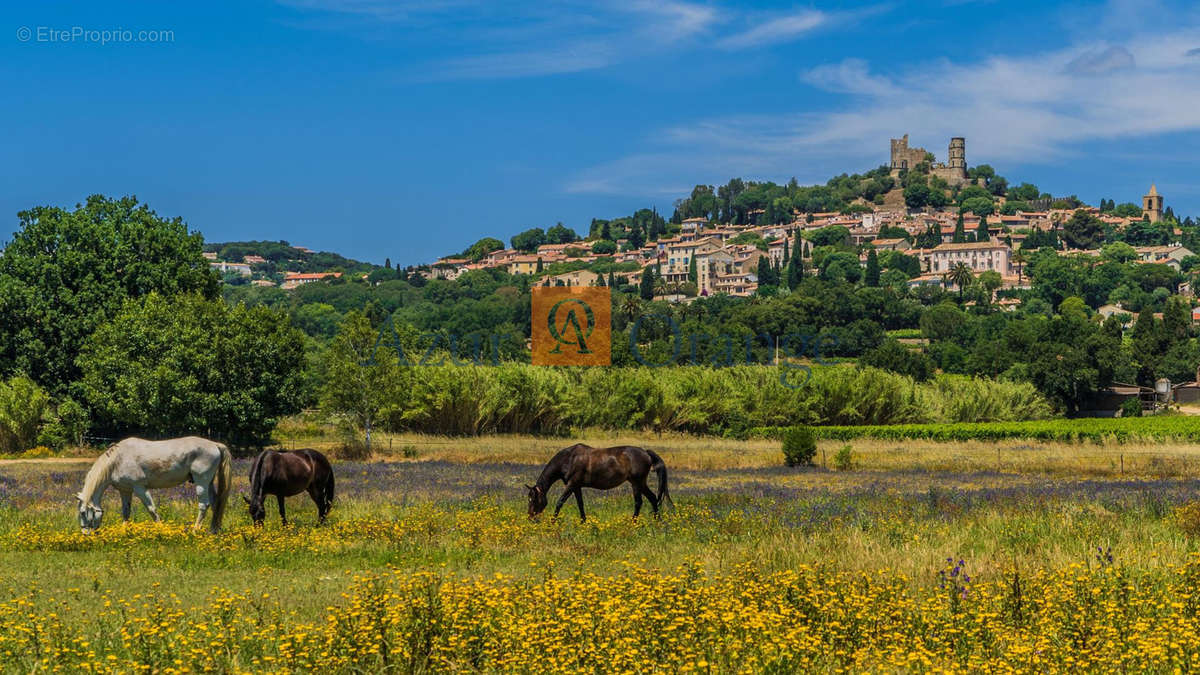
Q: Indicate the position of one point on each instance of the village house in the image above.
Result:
(897, 244)
(254, 260)
(224, 267)
(293, 279)
(1164, 255)
(524, 264)
(979, 256)
(576, 278)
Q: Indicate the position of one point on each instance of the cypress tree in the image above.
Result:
(539, 265)
(646, 288)
(872, 276)
(960, 234)
(981, 234)
(795, 269)
(692, 269)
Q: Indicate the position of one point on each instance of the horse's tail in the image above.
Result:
(223, 485)
(660, 467)
(328, 492)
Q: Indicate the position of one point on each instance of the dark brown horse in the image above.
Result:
(581, 466)
(284, 474)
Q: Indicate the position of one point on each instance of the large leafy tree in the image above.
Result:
(364, 376)
(188, 365)
(1083, 230)
(67, 272)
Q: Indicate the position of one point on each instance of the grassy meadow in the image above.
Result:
(899, 555)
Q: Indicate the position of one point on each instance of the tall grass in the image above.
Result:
(518, 398)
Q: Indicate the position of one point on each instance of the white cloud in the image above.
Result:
(1028, 108)
(776, 29)
(501, 40)
(1101, 61)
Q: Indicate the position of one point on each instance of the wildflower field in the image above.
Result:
(430, 565)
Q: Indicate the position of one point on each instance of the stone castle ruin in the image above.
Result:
(954, 171)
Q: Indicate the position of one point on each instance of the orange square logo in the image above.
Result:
(572, 326)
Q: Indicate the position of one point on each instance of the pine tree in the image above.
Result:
(981, 234)
(960, 234)
(872, 276)
(646, 288)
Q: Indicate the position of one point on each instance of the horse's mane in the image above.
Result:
(100, 472)
(256, 474)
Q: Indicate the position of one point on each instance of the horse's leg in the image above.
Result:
(637, 500)
(579, 501)
(147, 500)
(318, 499)
(562, 500)
(645, 489)
(126, 505)
(282, 513)
(204, 496)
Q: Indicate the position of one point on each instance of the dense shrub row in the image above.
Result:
(517, 398)
(1159, 428)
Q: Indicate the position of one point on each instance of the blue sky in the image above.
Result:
(410, 129)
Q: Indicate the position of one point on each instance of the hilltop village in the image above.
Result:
(949, 219)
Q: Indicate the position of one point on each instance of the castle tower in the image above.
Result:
(957, 157)
(1152, 205)
(900, 152)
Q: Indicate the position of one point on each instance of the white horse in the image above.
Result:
(134, 465)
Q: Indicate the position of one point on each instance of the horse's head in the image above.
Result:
(537, 500)
(89, 515)
(258, 512)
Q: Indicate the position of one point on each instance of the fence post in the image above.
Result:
(824, 464)
(1122, 464)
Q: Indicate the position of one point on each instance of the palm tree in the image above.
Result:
(631, 307)
(961, 275)
(1019, 258)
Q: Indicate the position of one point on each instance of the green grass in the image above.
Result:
(1097, 430)
(467, 520)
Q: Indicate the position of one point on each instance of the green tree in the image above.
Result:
(23, 405)
(895, 357)
(365, 378)
(187, 365)
(692, 269)
(917, 195)
(961, 276)
(1083, 231)
(604, 247)
(560, 234)
(960, 233)
(646, 287)
(795, 266)
(990, 281)
(872, 274)
(529, 240)
(981, 233)
(481, 248)
(67, 272)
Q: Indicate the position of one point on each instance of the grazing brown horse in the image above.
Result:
(581, 466)
(284, 474)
